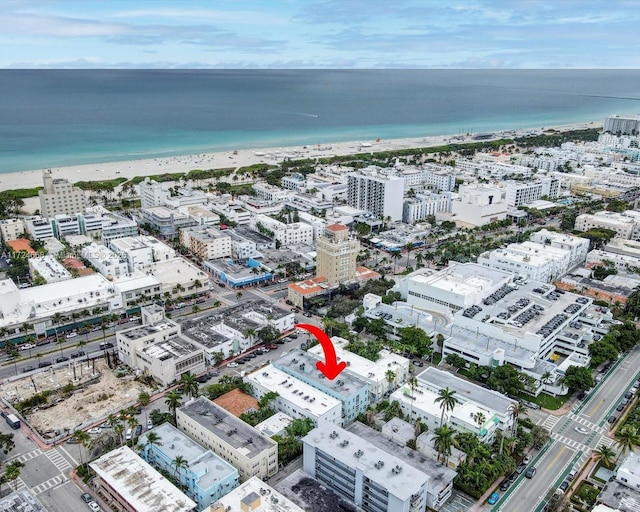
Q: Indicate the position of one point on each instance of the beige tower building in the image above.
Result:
(336, 255)
(60, 197)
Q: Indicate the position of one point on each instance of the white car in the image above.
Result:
(129, 434)
(27, 346)
(581, 430)
(149, 424)
(71, 335)
(94, 430)
(232, 365)
(94, 507)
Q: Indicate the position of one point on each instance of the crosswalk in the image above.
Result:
(583, 421)
(58, 460)
(572, 443)
(27, 456)
(52, 483)
(551, 422)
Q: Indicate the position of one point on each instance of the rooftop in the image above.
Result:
(312, 495)
(21, 244)
(466, 390)
(143, 331)
(378, 463)
(295, 391)
(462, 278)
(233, 431)
(620, 497)
(314, 285)
(207, 465)
(337, 227)
(302, 364)
(251, 235)
(138, 483)
(237, 402)
(274, 424)
(21, 501)
(256, 496)
(174, 347)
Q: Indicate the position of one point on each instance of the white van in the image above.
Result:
(129, 434)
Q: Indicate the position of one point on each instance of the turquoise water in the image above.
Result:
(53, 118)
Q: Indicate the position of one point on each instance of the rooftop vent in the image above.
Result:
(344, 443)
(379, 464)
(333, 435)
(358, 454)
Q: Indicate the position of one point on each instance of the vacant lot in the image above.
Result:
(102, 393)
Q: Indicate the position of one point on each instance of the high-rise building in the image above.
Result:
(59, 196)
(152, 193)
(377, 193)
(336, 255)
(622, 125)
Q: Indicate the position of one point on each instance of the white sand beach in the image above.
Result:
(240, 158)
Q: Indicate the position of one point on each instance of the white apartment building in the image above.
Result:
(578, 247)
(39, 228)
(129, 484)
(50, 269)
(295, 398)
(269, 193)
(11, 229)
(317, 223)
(296, 233)
(521, 193)
(152, 193)
(249, 451)
(232, 210)
(458, 286)
(374, 373)
(491, 170)
(529, 260)
(419, 207)
(621, 262)
(440, 178)
(59, 196)
(294, 181)
(105, 261)
(420, 404)
(624, 225)
(254, 496)
(628, 472)
(376, 192)
(206, 243)
(201, 215)
(186, 197)
(376, 477)
(477, 205)
(65, 225)
(623, 125)
(142, 251)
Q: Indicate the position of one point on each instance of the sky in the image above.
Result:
(528, 34)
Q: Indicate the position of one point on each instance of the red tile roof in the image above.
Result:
(237, 402)
(336, 227)
(21, 244)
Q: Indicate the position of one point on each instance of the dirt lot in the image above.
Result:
(97, 400)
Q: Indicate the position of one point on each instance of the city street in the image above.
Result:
(568, 448)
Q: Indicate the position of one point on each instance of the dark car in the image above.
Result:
(75, 355)
(620, 407)
(86, 497)
(564, 486)
(202, 378)
(279, 342)
(28, 369)
(222, 285)
(521, 468)
(61, 359)
(241, 361)
(43, 342)
(138, 430)
(612, 419)
(505, 485)
(628, 395)
(418, 363)
(530, 472)
(44, 364)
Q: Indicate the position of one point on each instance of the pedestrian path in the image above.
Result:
(576, 445)
(583, 421)
(27, 456)
(605, 441)
(551, 422)
(52, 483)
(17, 485)
(58, 460)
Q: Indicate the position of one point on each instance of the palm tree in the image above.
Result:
(391, 377)
(605, 455)
(627, 438)
(12, 472)
(444, 439)
(515, 410)
(395, 256)
(14, 355)
(448, 401)
(83, 439)
(419, 259)
(152, 439)
(178, 464)
(189, 385)
(173, 402)
(479, 418)
(118, 429)
(409, 248)
(546, 377)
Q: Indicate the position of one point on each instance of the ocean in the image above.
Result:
(54, 118)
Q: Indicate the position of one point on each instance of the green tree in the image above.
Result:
(447, 400)
(189, 385)
(12, 472)
(578, 378)
(391, 377)
(604, 455)
(417, 339)
(627, 439)
(83, 440)
(178, 464)
(444, 439)
(173, 402)
(144, 398)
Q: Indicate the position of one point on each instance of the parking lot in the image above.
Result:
(458, 503)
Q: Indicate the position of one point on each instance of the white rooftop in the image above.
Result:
(246, 497)
(295, 391)
(462, 278)
(274, 424)
(139, 484)
(131, 282)
(49, 268)
(359, 453)
(176, 271)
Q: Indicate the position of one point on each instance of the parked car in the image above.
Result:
(493, 499)
(76, 355)
(564, 486)
(44, 364)
(232, 365)
(28, 369)
(129, 434)
(94, 507)
(71, 335)
(61, 359)
(526, 459)
(202, 378)
(612, 419)
(307, 314)
(530, 472)
(86, 497)
(94, 430)
(27, 346)
(272, 347)
(138, 430)
(149, 424)
(505, 484)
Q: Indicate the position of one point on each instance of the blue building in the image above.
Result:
(350, 390)
(206, 476)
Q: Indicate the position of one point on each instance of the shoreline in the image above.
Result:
(245, 157)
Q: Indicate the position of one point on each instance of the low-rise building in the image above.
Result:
(166, 221)
(254, 496)
(49, 269)
(105, 261)
(206, 476)
(577, 247)
(10, 229)
(371, 471)
(625, 226)
(275, 425)
(141, 251)
(206, 243)
(375, 373)
(129, 484)
(295, 398)
(286, 234)
(352, 392)
(248, 450)
(477, 205)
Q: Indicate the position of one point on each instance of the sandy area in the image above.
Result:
(97, 401)
(240, 158)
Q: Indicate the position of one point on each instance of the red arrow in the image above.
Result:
(332, 368)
